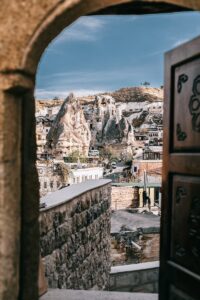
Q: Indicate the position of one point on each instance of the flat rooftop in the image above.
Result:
(133, 220)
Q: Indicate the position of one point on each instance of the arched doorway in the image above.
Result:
(36, 24)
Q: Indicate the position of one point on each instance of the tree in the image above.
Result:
(146, 83)
(63, 172)
(73, 157)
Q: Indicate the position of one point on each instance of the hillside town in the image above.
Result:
(93, 207)
(116, 136)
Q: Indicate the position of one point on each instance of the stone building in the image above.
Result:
(43, 126)
(27, 27)
(79, 175)
(155, 136)
(130, 195)
(46, 110)
(52, 176)
(156, 108)
(152, 153)
(151, 166)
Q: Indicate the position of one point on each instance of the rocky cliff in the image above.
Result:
(107, 124)
(130, 94)
(69, 131)
(114, 117)
(104, 119)
(138, 94)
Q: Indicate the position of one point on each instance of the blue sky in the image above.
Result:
(104, 53)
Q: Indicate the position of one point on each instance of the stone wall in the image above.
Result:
(75, 236)
(141, 278)
(121, 197)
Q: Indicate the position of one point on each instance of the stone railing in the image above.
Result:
(141, 278)
(75, 236)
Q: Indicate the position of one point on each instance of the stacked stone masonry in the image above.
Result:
(122, 197)
(75, 241)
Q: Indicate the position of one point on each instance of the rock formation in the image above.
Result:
(138, 94)
(107, 125)
(103, 120)
(69, 131)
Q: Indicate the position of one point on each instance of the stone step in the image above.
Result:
(58, 294)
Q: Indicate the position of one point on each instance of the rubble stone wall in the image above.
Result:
(75, 241)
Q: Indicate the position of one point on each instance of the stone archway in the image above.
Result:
(27, 27)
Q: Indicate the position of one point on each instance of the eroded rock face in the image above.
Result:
(115, 131)
(69, 131)
(138, 94)
(103, 120)
(107, 124)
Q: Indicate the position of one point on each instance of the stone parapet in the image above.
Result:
(75, 236)
(141, 278)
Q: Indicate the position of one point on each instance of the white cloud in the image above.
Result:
(84, 29)
(173, 45)
(158, 52)
(50, 94)
(180, 41)
(87, 77)
(91, 22)
(84, 83)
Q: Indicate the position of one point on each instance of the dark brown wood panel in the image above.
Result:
(184, 163)
(180, 220)
(176, 294)
(185, 225)
(186, 106)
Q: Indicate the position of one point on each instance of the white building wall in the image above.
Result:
(81, 175)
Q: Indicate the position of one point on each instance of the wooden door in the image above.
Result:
(180, 222)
